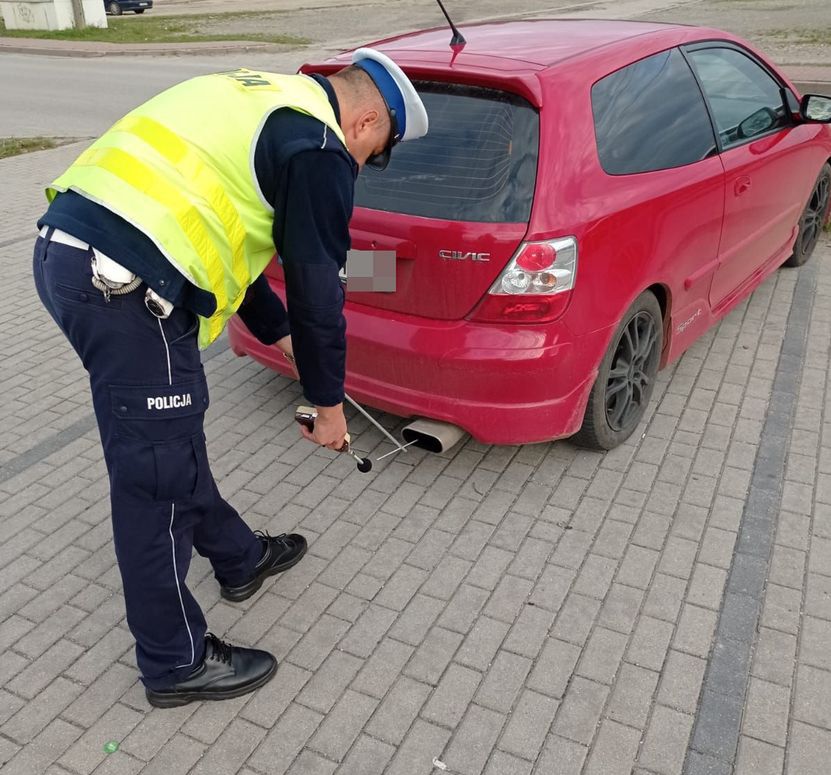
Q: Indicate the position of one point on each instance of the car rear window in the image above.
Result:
(651, 116)
(478, 161)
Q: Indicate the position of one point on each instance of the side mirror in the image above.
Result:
(757, 123)
(816, 108)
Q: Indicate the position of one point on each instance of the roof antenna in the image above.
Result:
(458, 39)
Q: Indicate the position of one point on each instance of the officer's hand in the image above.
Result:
(330, 427)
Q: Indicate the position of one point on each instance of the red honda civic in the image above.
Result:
(592, 196)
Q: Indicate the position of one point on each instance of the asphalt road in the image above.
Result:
(80, 97)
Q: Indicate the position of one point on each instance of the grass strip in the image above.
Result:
(163, 29)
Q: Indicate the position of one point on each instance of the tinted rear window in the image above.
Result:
(478, 162)
(651, 116)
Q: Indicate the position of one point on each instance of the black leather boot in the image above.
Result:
(279, 553)
(226, 671)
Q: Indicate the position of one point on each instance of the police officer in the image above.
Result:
(153, 238)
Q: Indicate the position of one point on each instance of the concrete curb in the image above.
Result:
(71, 48)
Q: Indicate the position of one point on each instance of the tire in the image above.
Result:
(114, 9)
(626, 377)
(813, 219)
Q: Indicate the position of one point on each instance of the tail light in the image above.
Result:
(534, 287)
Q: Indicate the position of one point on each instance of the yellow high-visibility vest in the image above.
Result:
(180, 168)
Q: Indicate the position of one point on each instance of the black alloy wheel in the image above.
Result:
(813, 219)
(114, 8)
(630, 379)
(626, 377)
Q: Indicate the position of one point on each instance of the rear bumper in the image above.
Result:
(503, 385)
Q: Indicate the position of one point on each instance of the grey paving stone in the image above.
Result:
(40, 638)
(399, 709)
(553, 670)
(681, 682)
(620, 608)
(809, 750)
(380, 671)
(695, 630)
(717, 547)
(453, 694)
(343, 724)
(367, 631)
(572, 549)
(787, 566)
(416, 619)
(564, 757)
(502, 763)
(529, 631)
(446, 578)
(101, 694)
(766, 712)
(580, 710)
(154, 731)
(503, 681)
(100, 656)
(602, 655)
(433, 655)
(708, 583)
(576, 619)
(415, 755)
(210, 719)
(595, 576)
(285, 740)
(774, 656)
(474, 740)
(28, 722)
(650, 642)
(508, 598)
(781, 608)
(614, 751)
(552, 587)
(307, 609)
(328, 682)
(88, 752)
(759, 758)
(307, 763)
(46, 748)
(612, 539)
(678, 557)
(811, 697)
(531, 558)
(318, 642)
(528, 725)
(231, 749)
(632, 696)
(463, 609)
(42, 671)
(665, 744)
(818, 596)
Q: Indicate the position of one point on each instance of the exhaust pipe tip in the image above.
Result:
(432, 435)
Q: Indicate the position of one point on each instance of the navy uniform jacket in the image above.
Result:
(308, 176)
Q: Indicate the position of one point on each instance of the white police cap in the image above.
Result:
(397, 90)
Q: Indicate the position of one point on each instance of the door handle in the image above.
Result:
(742, 185)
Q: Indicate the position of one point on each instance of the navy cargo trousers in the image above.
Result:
(150, 395)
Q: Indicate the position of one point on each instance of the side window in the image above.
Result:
(651, 116)
(745, 100)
